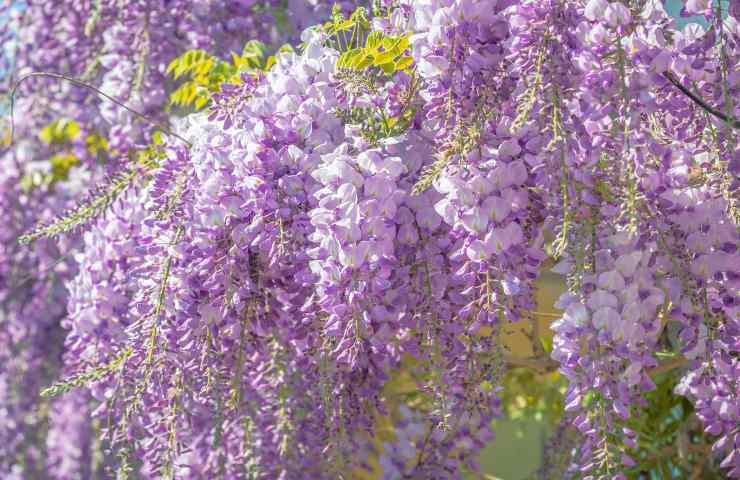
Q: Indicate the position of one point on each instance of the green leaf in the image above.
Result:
(204, 67)
(201, 102)
(172, 66)
(238, 60)
(60, 131)
(348, 58)
(47, 134)
(388, 68)
(27, 182)
(192, 94)
(254, 49)
(157, 138)
(96, 144)
(187, 59)
(403, 43)
(384, 57)
(404, 62)
(61, 164)
(374, 40)
(363, 62)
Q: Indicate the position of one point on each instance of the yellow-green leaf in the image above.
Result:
(96, 143)
(59, 131)
(172, 66)
(61, 165)
(404, 62)
(201, 102)
(363, 62)
(384, 57)
(374, 40)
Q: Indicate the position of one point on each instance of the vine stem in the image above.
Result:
(80, 83)
(699, 101)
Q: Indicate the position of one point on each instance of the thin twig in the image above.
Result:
(80, 83)
(28, 278)
(699, 101)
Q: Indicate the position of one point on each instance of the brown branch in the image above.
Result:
(668, 365)
(82, 84)
(546, 364)
(543, 363)
(699, 101)
(701, 463)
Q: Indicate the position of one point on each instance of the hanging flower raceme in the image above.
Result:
(314, 277)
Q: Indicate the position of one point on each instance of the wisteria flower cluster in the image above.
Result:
(312, 277)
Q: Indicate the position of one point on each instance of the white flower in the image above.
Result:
(433, 66)
(475, 220)
(595, 9)
(627, 263)
(611, 280)
(602, 298)
(607, 318)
